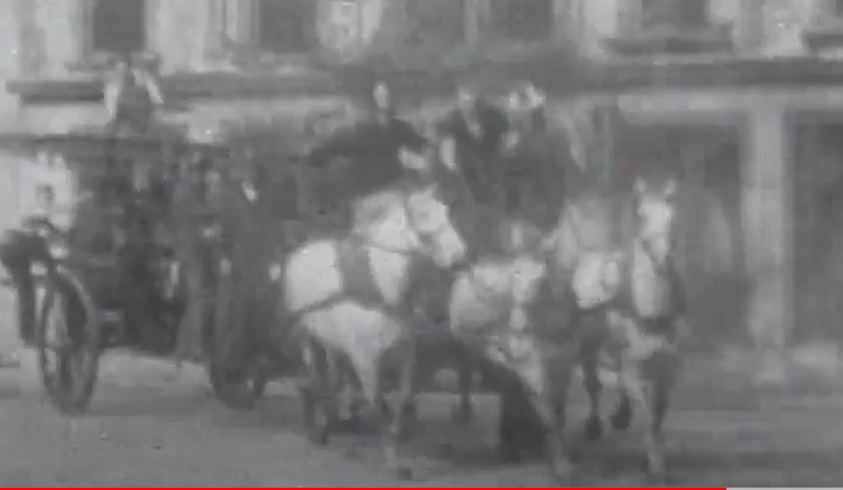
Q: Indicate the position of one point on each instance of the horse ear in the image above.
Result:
(670, 188)
(640, 186)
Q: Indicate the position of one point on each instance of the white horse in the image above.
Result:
(632, 289)
(348, 295)
(498, 311)
(635, 292)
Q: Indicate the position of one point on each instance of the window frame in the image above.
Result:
(256, 35)
(824, 33)
(234, 29)
(419, 24)
(89, 55)
(492, 23)
(671, 20)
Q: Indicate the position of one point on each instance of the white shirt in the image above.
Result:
(49, 171)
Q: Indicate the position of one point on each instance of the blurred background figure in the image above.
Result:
(373, 154)
(132, 94)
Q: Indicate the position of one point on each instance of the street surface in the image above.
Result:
(151, 424)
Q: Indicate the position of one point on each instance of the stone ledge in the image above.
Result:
(546, 68)
(824, 34)
(715, 38)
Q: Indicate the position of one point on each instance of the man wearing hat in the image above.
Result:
(471, 139)
(536, 163)
(131, 96)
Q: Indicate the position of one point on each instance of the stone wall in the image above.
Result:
(769, 26)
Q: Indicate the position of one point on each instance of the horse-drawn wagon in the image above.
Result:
(112, 272)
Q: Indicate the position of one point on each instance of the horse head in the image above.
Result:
(655, 212)
(418, 221)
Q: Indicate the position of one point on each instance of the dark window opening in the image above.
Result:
(119, 26)
(443, 20)
(522, 20)
(286, 26)
(674, 13)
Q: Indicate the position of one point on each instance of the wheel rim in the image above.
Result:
(56, 344)
(68, 355)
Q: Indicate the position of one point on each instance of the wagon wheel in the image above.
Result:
(68, 339)
(238, 387)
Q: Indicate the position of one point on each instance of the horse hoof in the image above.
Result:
(460, 416)
(411, 413)
(404, 473)
(622, 418)
(656, 472)
(657, 479)
(510, 452)
(593, 429)
(319, 436)
(563, 473)
(320, 429)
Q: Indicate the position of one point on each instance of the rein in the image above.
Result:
(425, 238)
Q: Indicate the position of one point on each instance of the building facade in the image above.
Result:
(758, 158)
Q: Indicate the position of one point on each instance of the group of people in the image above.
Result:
(499, 159)
(502, 159)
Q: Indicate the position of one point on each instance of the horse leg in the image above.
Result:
(368, 368)
(465, 375)
(665, 370)
(405, 411)
(516, 421)
(548, 413)
(589, 358)
(622, 416)
(318, 393)
(641, 392)
(545, 385)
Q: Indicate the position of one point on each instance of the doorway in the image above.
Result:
(817, 197)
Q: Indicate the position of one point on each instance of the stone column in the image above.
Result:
(31, 49)
(768, 232)
(475, 13)
(749, 25)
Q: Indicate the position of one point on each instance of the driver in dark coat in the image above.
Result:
(131, 96)
(376, 151)
(537, 162)
(472, 138)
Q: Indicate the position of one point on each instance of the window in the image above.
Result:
(118, 26)
(522, 20)
(674, 13)
(443, 20)
(285, 26)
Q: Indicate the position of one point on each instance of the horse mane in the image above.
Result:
(373, 208)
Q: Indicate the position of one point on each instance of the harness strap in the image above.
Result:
(662, 324)
(355, 267)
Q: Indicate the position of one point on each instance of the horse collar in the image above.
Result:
(647, 247)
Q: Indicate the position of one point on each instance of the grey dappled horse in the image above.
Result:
(630, 286)
(499, 311)
(348, 295)
(634, 287)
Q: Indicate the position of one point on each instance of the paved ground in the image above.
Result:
(153, 425)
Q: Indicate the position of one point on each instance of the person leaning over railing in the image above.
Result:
(378, 150)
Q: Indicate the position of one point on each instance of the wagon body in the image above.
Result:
(102, 278)
(106, 277)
